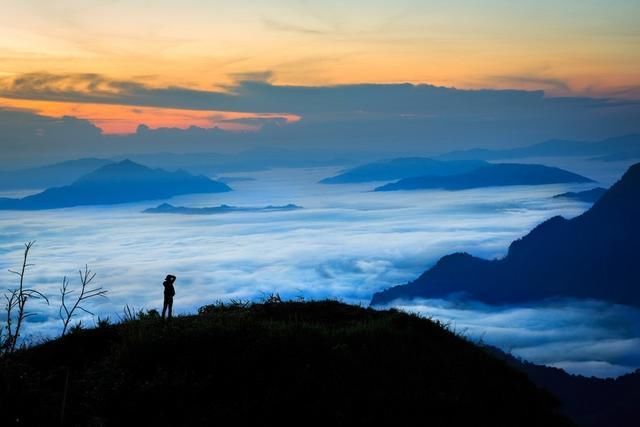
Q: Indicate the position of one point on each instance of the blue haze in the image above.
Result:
(346, 243)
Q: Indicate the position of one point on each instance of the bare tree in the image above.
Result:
(16, 302)
(66, 311)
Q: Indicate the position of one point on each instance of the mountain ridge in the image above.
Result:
(491, 175)
(115, 183)
(590, 256)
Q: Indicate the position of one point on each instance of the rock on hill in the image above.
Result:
(277, 363)
(594, 255)
(120, 182)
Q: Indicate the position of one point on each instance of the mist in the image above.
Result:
(346, 243)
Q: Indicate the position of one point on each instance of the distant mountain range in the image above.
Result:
(618, 148)
(594, 255)
(490, 175)
(588, 196)
(51, 175)
(405, 167)
(114, 183)
(167, 208)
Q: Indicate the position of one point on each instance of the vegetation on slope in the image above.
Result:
(267, 364)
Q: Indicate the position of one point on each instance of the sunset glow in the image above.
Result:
(569, 48)
(122, 119)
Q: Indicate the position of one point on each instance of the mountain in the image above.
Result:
(390, 170)
(497, 175)
(589, 402)
(594, 255)
(269, 364)
(256, 159)
(621, 147)
(120, 182)
(167, 208)
(589, 196)
(51, 175)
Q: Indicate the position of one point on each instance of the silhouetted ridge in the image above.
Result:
(502, 174)
(404, 167)
(589, 402)
(591, 256)
(616, 148)
(272, 364)
(114, 183)
(166, 208)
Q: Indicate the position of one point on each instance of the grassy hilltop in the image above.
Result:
(266, 364)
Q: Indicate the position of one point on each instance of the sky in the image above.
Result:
(52, 53)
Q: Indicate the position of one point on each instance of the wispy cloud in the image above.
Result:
(554, 85)
(277, 25)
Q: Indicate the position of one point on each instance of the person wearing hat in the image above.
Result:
(169, 292)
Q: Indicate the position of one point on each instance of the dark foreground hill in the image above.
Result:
(497, 175)
(594, 255)
(315, 363)
(115, 183)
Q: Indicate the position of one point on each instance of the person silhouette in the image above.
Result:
(169, 292)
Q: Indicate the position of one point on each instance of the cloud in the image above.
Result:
(277, 25)
(555, 85)
(418, 118)
(584, 337)
(346, 243)
(252, 92)
(256, 76)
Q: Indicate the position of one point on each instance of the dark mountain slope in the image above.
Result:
(590, 402)
(316, 363)
(121, 182)
(489, 176)
(594, 255)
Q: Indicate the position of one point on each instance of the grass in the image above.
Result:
(319, 362)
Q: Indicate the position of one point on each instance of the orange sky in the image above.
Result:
(118, 119)
(567, 48)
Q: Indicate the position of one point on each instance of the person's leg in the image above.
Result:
(170, 304)
(164, 309)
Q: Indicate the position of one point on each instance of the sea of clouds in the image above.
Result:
(347, 243)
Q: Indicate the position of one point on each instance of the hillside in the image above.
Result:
(497, 175)
(405, 167)
(591, 256)
(590, 402)
(115, 183)
(270, 364)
